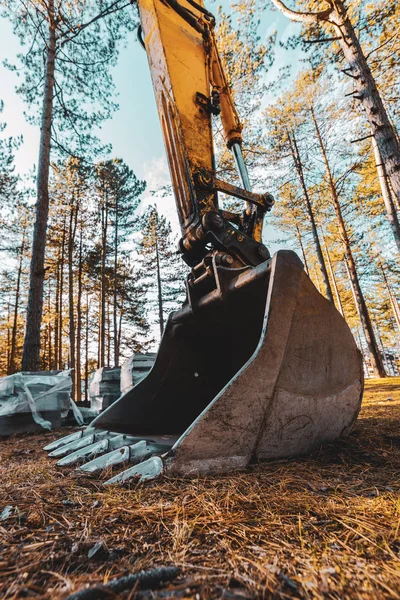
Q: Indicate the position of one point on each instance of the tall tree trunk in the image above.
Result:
(11, 365)
(31, 350)
(87, 348)
(159, 288)
(376, 358)
(108, 335)
(360, 346)
(333, 278)
(8, 334)
(104, 228)
(56, 313)
(317, 281)
(393, 300)
(60, 310)
(120, 329)
(115, 317)
(300, 242)
(78, 366)
(368, 94)
(71, 241)
(50, 350)
(43, 358)
(387, 194)
(299, 168)
(99, 332)
(382, 347)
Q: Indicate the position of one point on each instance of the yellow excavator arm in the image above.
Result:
(190, 87)
(256, 364)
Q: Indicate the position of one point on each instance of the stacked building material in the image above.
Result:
(104, 387)
(30, 401)
(135, 368)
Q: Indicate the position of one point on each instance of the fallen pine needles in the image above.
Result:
(316, 527)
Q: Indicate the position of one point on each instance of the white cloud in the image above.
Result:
(156, 174)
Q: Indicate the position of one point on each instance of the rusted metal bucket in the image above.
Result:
(270, 370)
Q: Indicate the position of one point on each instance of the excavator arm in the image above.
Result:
(256, 364)
(190, 87)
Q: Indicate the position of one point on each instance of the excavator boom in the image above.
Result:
(256, 364)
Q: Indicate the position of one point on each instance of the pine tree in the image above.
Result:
(15, 226)
(160, 266)
(288, 140)
(336, 20)
(119, 191)
(74, 73)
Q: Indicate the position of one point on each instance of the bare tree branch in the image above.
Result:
(322, 40)
(107, 11)
(303, 17)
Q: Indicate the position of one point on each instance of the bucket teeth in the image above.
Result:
(87, 452)
(134, 454)
(115, 457)
(149, 469)
(85, 440)
(104, 449)
(106, 444)
(72, 437)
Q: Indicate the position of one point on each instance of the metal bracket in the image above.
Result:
(210, 105)
(207, 180)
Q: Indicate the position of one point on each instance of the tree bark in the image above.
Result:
(71, 241)
(393, 300)
(31, 350)
(8, 334)
(57, 314)
(333, 278)
(376, 358)
(99, 332)
(11, 365)
(60, 310)
(120, 328)
(159, 288)
(50, 350)
(104, 230)
(299, 168)
(317, 281)
(115, 319)
(387, 194)
(300, 242)
(108, 335)
(382, 348)
(78, 367)
(87, 349)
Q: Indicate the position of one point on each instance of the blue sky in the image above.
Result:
(134, 130)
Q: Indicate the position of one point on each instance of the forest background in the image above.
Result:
(111, 273)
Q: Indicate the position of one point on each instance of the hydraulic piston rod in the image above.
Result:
(241, 166)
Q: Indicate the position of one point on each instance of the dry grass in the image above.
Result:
(324, 526)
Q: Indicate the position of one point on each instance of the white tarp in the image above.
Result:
(37, 393)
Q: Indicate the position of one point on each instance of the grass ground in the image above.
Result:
(322, 526)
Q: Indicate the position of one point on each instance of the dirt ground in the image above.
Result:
(322, 526)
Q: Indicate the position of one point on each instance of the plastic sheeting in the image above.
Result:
(135, 368)
(104, 387)
(37, 393)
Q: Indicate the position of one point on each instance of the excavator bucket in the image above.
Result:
(266, 369)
